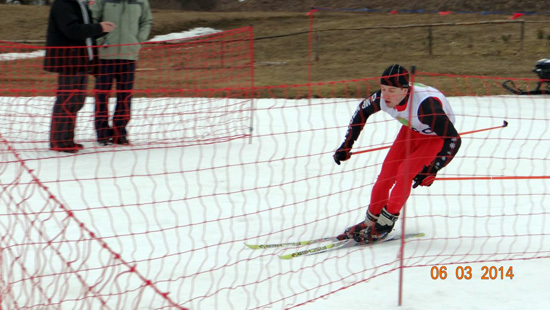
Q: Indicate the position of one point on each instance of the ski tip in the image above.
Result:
(252, 246)
(287, 256)
(420, 234)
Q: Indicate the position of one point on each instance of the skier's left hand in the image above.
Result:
(424, 177)
(341, 154)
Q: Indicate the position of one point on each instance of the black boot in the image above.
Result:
(357, 231)
(383, 226)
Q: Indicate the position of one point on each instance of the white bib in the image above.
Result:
(420, 93)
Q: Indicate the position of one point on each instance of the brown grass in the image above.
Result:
(345, 49)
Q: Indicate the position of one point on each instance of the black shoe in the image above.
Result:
(352, 232)
(68, 148)
(383, 226)
(105, 142)
(357, 231)
(121, 140)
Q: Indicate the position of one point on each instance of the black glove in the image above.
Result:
(425, 177)
(341, 154)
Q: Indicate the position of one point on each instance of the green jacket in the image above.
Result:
(133, 20)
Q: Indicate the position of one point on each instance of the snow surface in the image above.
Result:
(274, 190)
(178, 36)
(285, 187)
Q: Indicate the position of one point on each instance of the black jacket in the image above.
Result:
(66, 50)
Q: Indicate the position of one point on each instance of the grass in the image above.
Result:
(345, 49)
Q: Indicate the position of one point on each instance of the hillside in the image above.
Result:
(384, 5)
(351, 45)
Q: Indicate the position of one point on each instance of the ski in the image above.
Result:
(343, 244)
(325, 248)
(290, 244)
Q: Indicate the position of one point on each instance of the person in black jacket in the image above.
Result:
(69, 41)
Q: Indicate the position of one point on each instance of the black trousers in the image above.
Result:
(71, 94)
(123, 71)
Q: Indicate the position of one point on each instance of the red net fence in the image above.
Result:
(162, 223)
(187, 85)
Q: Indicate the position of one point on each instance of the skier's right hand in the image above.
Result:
(426, 177)
(341, 154)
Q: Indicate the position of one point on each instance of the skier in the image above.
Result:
(422, 147)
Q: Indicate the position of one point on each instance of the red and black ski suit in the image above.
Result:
(427, 142)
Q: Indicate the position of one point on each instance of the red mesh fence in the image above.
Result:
(162, 223)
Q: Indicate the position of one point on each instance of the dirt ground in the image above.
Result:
(354, 45)
(427, 5)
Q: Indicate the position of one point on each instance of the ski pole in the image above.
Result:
(491, 178)
(504, 124)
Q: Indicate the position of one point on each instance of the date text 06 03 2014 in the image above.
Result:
(468, 273)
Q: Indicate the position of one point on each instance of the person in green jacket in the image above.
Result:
(118, 53)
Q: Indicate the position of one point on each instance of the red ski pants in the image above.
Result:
(410, 152)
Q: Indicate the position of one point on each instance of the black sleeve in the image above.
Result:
(365, 109)
(69, 21)
(431, 113)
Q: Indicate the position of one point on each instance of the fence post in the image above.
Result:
(317, 46)
(404, 209)
(309, 51)
(521, 35)
(430, 52)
